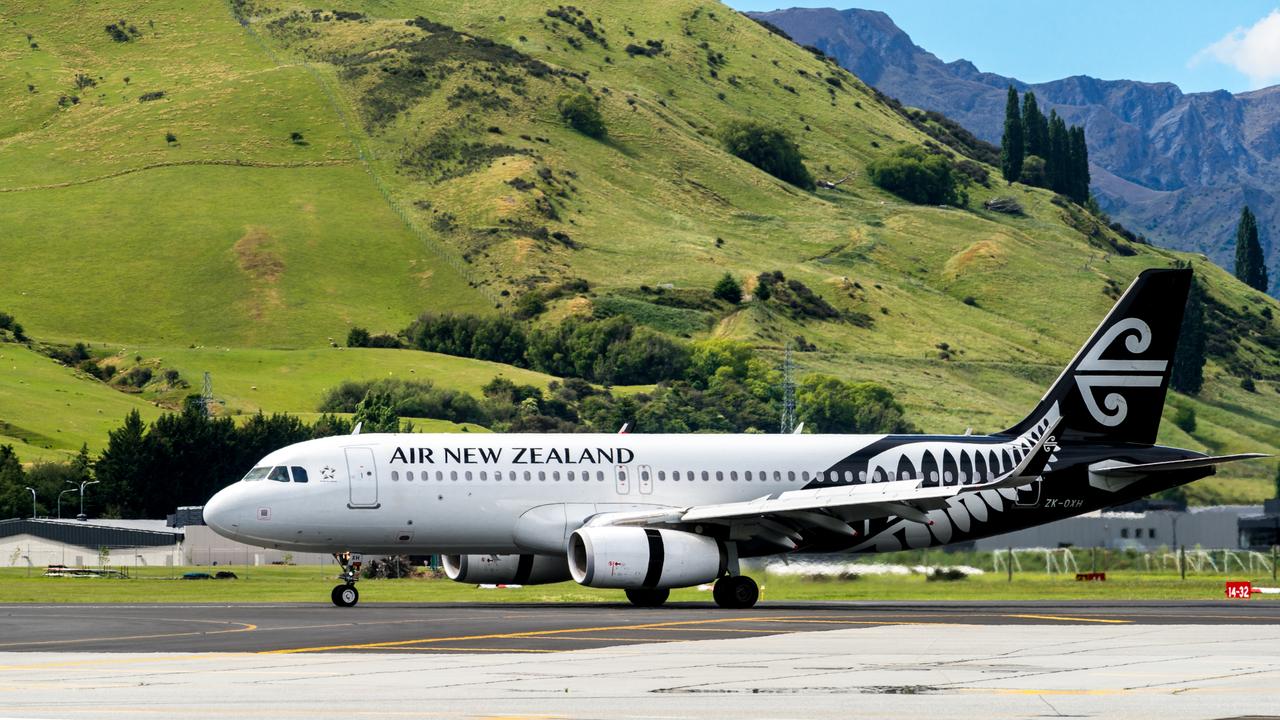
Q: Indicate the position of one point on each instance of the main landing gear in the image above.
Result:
(346, 595)
(736, 592)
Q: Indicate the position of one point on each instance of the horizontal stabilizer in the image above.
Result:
(1124, 470)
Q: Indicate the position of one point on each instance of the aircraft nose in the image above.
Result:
(221, 512)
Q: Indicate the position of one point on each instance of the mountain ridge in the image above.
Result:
(1211, 152)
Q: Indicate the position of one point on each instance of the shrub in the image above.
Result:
(1185, 418)
(914, 175)
(358, 337)
(1247, 385)
(728, 289)
(170, 138)
(770, 149)
(1033, 171)
(581, 113)
(149, 96)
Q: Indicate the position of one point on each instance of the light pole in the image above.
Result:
(64, 492)
(83, 484)
(33, 502)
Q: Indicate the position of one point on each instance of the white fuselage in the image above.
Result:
(514, 493)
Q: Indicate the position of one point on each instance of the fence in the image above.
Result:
(1184, 561)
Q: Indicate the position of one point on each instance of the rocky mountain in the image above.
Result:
(1174, 166)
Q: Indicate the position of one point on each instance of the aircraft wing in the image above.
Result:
(784, 518)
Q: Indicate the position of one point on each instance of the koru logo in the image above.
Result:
(1118, 373)
(328, 473)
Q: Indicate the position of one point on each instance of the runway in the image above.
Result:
(538, 629)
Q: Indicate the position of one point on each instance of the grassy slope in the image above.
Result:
(47, 412)
(121, 236)
(646, 207)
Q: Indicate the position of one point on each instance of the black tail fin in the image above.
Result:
(1114, 388)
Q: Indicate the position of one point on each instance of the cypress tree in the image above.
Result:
(1250, 266)
(1078, 151)
(1056, 164)
(1011, 145)
(1035, 129)
(1187, 374)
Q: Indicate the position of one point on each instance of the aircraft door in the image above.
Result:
(1029, 495)
(645, 475)
(363, 478)
(623, 475)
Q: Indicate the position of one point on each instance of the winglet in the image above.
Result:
(356, 430)
(799, 429)
(623, 430)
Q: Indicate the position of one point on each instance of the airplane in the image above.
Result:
(646, 513)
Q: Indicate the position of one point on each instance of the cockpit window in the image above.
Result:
(257, 473)
(299, 474)
(279, 474)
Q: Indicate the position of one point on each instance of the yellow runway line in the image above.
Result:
(523, 634)
(245, 627)
(1063, 618)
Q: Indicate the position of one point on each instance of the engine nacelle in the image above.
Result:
(506, 569)
(633, 558)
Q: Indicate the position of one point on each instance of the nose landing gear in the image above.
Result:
(346, 595)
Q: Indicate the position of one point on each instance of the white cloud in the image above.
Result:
(1254, 51)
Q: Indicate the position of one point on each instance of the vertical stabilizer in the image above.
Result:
(1114, 389)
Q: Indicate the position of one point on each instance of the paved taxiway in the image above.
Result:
(838, 660)
(528, 628)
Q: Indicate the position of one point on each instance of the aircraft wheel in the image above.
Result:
(736, 593)
(345, 595)
(648, 598)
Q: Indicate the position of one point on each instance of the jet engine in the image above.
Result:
(633, 558)
(506, 569)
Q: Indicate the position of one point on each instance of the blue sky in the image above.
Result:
(1205, 45)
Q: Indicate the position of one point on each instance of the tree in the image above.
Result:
(1057, 164)
(770, 149)
(1187, 374)
(358, 337)
(1278, 481)
(830, 405)
(376, 413)
(917, 176)
(1033, 171)
(1250, 266)
(1011, 145)
(581, 114)
(1035, 129)
(15, 500)
(728, 289)
(1078, 159)
(122, 466)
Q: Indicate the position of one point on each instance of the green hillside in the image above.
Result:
(434, 172)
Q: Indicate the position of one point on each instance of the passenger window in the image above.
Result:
(733, 475)
(279, 474)
(468, 476)
(497, 476)
(705, 476)
(395, 476)
(528, 476)
(299, 474)
(720, 475)
(777, 475)
(662, 474)
(600, 475)
(453, 475)
(862, 476)
(791, 475)
(805, 476)
(257, 473)
(484, 475)
(644, 473)
(675, 474)
(848, 476)
(555, 475)
(833, 475)
(542, 475)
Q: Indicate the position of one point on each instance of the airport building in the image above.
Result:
(1207, 527)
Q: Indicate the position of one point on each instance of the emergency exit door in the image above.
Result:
(363, 478)
(622, 474)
